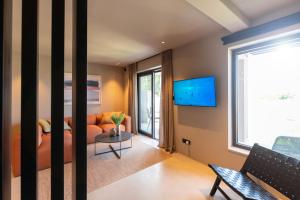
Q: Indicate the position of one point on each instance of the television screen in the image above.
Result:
(195, 92)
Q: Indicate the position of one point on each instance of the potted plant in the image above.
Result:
(117, 120)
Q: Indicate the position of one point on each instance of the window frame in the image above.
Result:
(293, 39)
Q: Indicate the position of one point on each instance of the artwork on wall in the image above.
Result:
(94, 89)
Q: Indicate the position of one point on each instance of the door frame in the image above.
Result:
(141, 74)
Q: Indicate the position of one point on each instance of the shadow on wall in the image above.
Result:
(201, 117)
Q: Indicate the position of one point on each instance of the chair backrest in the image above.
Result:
(277, 170)
(289, 146)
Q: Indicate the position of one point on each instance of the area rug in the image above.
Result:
(102, 169)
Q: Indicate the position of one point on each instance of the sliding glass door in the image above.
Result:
(145, 103)
(149, 94)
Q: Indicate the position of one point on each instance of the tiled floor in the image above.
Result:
(177, 178)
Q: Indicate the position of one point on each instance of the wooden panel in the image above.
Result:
(29, 99)
(5, 97)
(57, 100)
(1, 101)
(79, 76)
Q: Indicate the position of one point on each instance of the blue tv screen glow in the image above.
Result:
(195, 92)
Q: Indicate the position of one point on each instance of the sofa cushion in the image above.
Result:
(44, 151)
(40, 133)
(106, 117)
(98, 118)
(92, 131)
(91, 120)
(107, 127)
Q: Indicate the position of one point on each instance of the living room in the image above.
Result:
(172, 86)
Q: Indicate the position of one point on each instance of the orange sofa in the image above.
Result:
(95, 126)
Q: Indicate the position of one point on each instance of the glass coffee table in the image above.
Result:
(106, 138)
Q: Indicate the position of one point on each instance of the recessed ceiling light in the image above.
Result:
(163, 42)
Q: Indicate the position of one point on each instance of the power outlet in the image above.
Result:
(186, 141)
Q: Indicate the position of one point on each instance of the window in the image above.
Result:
(266, 92)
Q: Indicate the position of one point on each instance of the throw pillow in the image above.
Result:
(106, 117)
(45, 126)
(66, 126)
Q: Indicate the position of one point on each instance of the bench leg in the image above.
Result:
(224, 194)
(215, 187)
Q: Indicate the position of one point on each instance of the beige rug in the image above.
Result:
(102, 169)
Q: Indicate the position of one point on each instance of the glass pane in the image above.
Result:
(157, 96)
(268, 89)
(145, 103)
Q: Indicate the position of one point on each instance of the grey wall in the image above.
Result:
(112, 89)
(208, 127)
(149, 63)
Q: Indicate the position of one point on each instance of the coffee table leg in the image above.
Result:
(114, 151)
(120, 149)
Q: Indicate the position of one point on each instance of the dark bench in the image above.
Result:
(275, 169)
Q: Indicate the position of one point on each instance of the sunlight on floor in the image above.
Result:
(177, 178)
(148, 140)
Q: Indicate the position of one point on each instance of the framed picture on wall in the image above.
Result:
(94, 89)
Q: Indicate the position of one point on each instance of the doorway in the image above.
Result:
(149, 96)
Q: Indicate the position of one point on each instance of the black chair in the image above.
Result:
(275, 169)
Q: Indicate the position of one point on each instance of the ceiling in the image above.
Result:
(125, 31)
(256, 9)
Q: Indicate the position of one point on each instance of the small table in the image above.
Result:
(106, 138)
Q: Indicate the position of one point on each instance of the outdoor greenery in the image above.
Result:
(146, 83)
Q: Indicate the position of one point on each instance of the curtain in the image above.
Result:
(132, 96)
(166, 129)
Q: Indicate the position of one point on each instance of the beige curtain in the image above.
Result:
(132, 95)
(166, 129)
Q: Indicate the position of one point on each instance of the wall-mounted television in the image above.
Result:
(195, 92)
